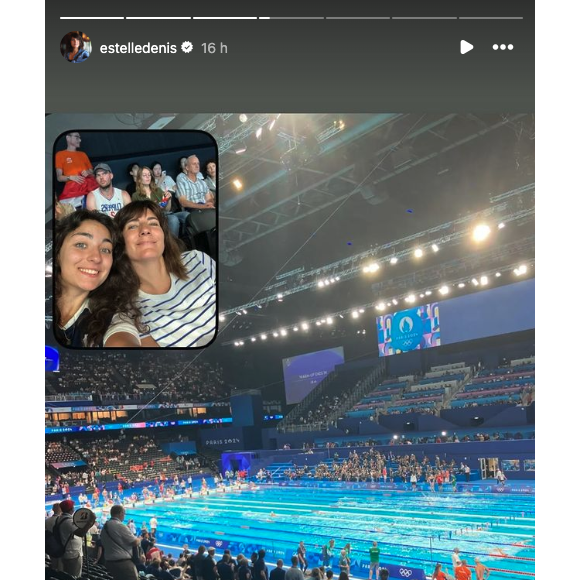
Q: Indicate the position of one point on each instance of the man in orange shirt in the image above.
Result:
(74, 169)
(462, 572)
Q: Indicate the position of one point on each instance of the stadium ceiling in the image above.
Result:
(363, 158)
(320, 191)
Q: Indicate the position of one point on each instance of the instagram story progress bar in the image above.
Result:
(291, 17)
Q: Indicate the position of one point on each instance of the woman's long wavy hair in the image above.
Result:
(79, 37)
(171, 253)
(139, 188)
(112, 296)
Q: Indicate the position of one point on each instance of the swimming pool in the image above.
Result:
(413, 529)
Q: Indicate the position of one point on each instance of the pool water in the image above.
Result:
(414, 529)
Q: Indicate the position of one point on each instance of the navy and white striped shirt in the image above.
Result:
(183, 317)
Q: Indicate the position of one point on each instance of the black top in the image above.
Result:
(225, 571)
(277, 574)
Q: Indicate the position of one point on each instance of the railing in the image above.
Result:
(69, 397)
(450, 394)
(319, 426)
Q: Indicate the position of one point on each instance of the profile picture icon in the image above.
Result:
(75, 47)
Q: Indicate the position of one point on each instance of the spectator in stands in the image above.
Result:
(159, 274)
(48, 526)
(210, 172)
(278, 573)
(106, 198)
(162, 180)
(145, 541)
(89, 290)
(72, 559)
(61, 210)
(343, 576)
(174, 569)
(118, 543)
(384, 574)
(146, 188)
(225, 568)
(133, 170)
(209, 566)
(156, 570)
(294, 572)
(260, 568)
(196, 200)
(244, 572)
(195, 563)
(74, 169)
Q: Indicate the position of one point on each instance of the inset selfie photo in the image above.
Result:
(134, 243)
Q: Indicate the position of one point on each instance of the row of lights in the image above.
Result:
(259, 132)
(328, 281)
(355, 314)
(480, 233)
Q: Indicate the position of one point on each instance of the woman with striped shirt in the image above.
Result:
(175, 292)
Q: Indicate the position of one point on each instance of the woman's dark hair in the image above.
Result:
(69, 41)
(173, 248)
(384, 573)
(343, 576)
(131, 165)
(204, 169)
(112, 296)
(156, 163)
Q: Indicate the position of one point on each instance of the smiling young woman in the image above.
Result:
(89, 287)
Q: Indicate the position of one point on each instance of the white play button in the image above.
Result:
(465, 46)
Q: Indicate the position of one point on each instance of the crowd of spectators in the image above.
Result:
(327, 404)
(173, 376)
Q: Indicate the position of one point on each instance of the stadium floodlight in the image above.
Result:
(263, 336)
(243, 118)
(318, 323)
(321, 283)
(295, 329)
(371, 268)
(481, 232)
(444, 290)
(275, 335)
(222, 317)
(259, 133)
(327, 282)
(355, 314)
(380, 306)
(475, 281)
(253, 339)
(245, 311)
(428, 292)
(501, 226)
(236, 343)
(241, 149)
(283, 332)
(418, 253)
(411, 298)
(329, 320)
(395, 301)
(435, 248)
(305, 326)
(443, 433)
(394, 260)
(361, 310)
(241, 343)
(461, 285)
(521, 270)
(498, 274)
(237, 184)
(484, 280)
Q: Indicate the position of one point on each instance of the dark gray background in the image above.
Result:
(297, 65)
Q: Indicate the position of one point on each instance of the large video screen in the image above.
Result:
(303, 372)
(411, 329)
(502, 310)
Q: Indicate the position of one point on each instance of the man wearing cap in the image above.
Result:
(72, 559)
(455, 558)
(118, 542)
(106, 198)
(74, 169)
